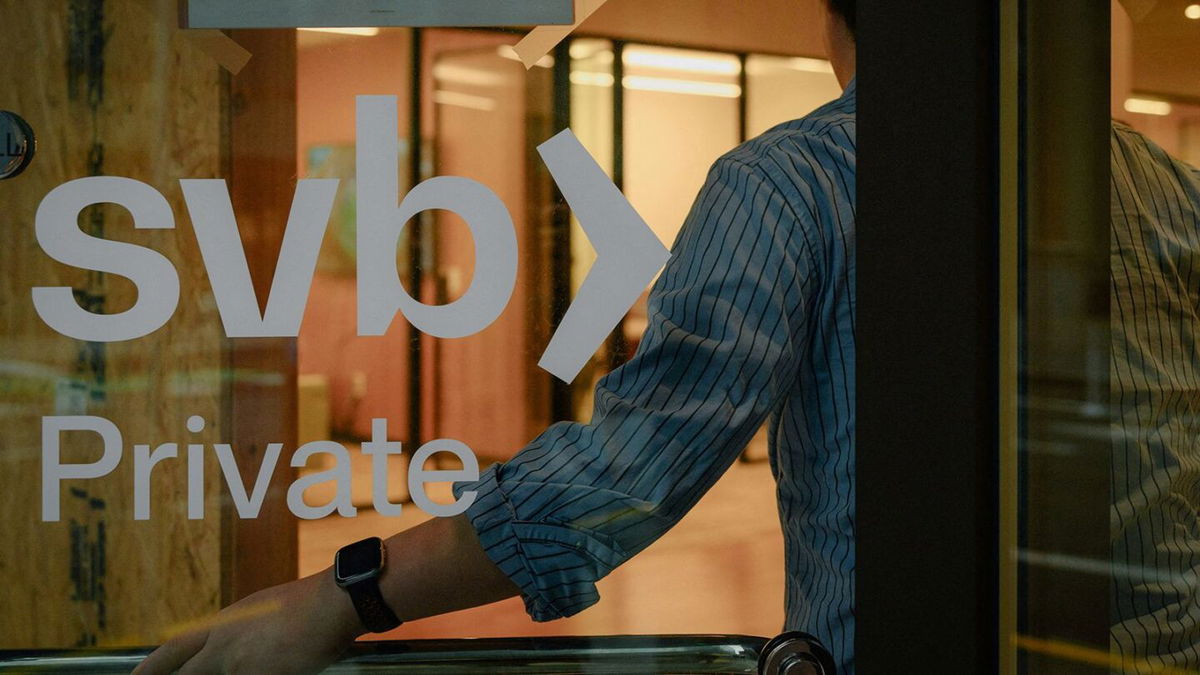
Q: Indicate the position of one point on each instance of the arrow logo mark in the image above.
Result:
(628, 255)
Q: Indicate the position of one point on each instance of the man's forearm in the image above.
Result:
(434, 568)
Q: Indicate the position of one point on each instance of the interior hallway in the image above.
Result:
(720, 570)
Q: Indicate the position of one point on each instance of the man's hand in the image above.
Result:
(299, 627)
(302, 627)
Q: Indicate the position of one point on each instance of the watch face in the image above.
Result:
(358, 561)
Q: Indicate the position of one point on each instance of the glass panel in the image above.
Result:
(780, 89)
(1155, 320)
(347, 380)
(666, 162)
(256, 309)
(593, 119)
(1110, 545)
(486, 99)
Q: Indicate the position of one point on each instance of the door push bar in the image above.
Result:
(788, 654)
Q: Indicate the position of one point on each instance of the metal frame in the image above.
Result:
(717, 654)
(561, 398)
(416, 238)
(226, 14)
(927, 337)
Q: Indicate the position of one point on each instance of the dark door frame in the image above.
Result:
(1064, 500)
(980, 124)
(928, 337)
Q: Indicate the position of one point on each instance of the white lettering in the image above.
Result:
(225, 259)
(143, 466)
(54, 471)
(379, 448)
(342, 501)
(418, 477)
(57, 230)
(380, 294)
(248, 506)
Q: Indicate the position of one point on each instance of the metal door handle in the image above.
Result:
(795, 653)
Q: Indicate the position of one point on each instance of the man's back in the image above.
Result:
(1155, 388)
(812, 162)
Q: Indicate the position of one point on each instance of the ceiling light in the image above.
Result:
(699, 63)
(673, 86)
(1192, 12)
(590, 79)
(370, 31)
(475, 77)
(660, 84)
(592, 49)
(1145, 106)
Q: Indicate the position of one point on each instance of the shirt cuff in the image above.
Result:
(549, 591)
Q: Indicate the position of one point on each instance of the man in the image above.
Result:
(1155, 394)
(752, 318)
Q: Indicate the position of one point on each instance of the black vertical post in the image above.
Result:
(617, 344)
(927, 337)
(561, 400)
(415, 238)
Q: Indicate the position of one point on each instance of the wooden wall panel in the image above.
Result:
(109, 90)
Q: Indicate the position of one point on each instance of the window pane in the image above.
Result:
(1109, 501)
(781, 88)
(254, 275)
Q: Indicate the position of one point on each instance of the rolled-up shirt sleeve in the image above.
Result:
(726, 329)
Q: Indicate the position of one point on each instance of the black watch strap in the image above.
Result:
(371, 607)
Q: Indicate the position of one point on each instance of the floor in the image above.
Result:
(720, 570)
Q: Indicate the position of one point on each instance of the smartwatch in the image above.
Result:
(356, 568)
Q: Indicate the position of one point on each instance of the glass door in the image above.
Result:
(120, 373)
(1108, 506)
(225, 361)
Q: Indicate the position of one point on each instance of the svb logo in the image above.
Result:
(628, 252)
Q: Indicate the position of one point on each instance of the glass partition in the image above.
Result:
(271, 291)
(778, 86)
(1108, 507)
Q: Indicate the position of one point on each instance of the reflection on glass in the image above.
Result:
(1155, 322)
(1112, 373)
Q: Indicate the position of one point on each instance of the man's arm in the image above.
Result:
(302, 627)
(440, 567)
(720, 352)
(726, 330)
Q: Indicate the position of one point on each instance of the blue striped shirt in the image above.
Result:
(1155, 391)
(752, 321)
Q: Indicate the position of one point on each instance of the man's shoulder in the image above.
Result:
(1134, 152)
(808, 161)
(823, 138)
